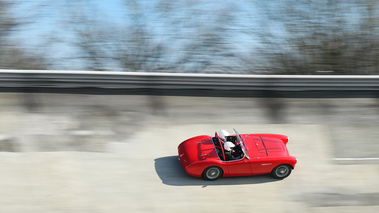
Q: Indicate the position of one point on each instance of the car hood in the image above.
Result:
(270, 146)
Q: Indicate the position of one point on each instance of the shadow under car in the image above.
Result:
(171, 172)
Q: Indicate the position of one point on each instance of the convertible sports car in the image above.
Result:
(227, 155)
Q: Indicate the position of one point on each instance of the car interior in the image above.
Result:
(219, 144)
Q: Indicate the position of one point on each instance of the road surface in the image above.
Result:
(94, 153)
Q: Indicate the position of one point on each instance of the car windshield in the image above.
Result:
(243, 146)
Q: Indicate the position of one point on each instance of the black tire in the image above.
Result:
(282, 171)
(212, 173)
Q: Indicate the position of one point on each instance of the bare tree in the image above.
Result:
(89, 35)
(318, 37)
(181, 38)
(7, 21)
(12, 55)
(164, 36)
(139, 47)
(202, 33)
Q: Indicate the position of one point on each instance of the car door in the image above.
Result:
(239, 167)
(260, 165)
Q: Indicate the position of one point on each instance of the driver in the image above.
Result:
(229, 152)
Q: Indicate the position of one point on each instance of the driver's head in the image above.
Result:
(223, 134)
(228, 146)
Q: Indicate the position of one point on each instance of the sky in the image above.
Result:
(47, 29)
(47, 22)
(182, 32)
(44, 16)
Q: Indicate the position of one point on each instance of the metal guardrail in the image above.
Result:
(139, 80)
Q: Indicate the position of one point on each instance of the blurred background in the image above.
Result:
(103, 150)
(248, 36)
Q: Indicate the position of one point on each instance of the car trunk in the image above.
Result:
(194, 151)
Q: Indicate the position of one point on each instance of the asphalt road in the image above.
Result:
(104, 153)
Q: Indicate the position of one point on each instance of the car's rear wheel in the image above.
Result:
(212, 173)
(281, 171)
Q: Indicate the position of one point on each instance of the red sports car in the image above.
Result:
(226, 155)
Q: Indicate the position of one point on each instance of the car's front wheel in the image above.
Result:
(212, 173)
(281, 171)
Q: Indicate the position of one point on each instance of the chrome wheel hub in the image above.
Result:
(213, 173)
(282, 171)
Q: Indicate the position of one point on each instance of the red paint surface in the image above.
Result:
(198, 153)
